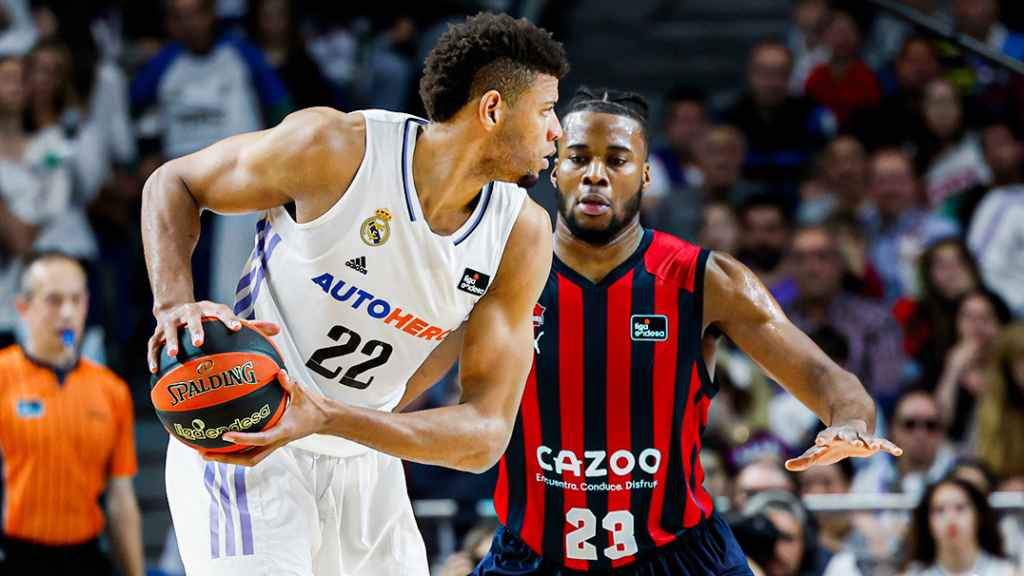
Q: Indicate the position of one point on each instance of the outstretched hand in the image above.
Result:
(838, 442)
(304, 415)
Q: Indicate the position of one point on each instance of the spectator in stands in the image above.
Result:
(975, 471)
(998, 222)
(1000, 421)
(1011, 526)
(834, 527)
(67, 435)
(917, 427)
(719, 159)
(947, 272)
(955, 531)
(782, 131)
(860, 276)
(845, 174)
(720, 228)
(897, 120)
(873, 337)
(797, 550)
(674, 165)
(897, 228)
(475, 546)
(845, 83)
(35, 187)
(761, 475)
(766, 235)
(272, 25)
(207, 85)
(980, 20)
(720, 152)
(980, 317)
(949, 155)
(806, 40)
(890, 32)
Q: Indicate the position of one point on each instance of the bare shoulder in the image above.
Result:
(528, 251)
(733, 292)
(321, 130)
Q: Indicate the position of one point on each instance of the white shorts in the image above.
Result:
(296, 513)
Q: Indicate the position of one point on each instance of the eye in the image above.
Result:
(617, 161)
(578, 160)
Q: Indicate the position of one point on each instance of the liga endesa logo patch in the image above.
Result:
(200, 430)
(474, 282)
(648, 327)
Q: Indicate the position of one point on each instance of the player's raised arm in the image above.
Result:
(309, 159)
(496, 356)
(739, 304)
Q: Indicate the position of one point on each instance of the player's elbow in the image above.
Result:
(488, 446)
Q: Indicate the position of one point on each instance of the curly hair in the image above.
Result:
(619, 103)
(487, 52)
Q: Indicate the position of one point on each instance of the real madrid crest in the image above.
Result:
(377, 228)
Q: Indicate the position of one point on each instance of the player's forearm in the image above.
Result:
(170, 230)
(125, 525)
(459, 436)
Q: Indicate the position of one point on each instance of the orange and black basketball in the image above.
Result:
(228, 384)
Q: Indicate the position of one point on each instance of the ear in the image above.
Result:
(647, 176)
(490, 110)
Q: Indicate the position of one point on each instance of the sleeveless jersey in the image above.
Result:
(603, 465)
(366, 291)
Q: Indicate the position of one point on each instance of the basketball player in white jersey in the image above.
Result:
(388, 245)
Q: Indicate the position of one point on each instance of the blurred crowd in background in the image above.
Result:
(871, 175)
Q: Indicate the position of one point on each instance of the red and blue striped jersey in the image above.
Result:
(602, 466)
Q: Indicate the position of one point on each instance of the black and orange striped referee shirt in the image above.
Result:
(62, 436)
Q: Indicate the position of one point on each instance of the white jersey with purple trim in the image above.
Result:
(366, 291)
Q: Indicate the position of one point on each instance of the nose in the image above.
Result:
(555, 131)
(595, 175)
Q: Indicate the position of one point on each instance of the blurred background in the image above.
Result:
(865, 162)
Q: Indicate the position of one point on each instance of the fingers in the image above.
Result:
(805, 460)
(287, 383)
(170, 332)
(253, 438)
(267, 328)
(246, 458)
(153, 352)
(195, 327)
(225, 315)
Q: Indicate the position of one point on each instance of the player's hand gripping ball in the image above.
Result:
(227, 384)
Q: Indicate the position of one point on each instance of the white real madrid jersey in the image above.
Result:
(367, 290)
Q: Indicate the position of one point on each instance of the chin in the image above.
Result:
(528, 180)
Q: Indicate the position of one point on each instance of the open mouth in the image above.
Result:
(594, 204)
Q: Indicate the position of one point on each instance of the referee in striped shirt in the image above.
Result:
(66, 432)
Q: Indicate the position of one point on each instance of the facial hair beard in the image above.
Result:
(596, 236)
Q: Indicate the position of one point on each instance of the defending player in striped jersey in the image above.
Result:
(603, 469)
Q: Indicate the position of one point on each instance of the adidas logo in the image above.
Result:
(357, 264)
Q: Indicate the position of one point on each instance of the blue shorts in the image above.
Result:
(708, 549)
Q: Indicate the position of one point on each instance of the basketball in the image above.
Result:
(229, 384)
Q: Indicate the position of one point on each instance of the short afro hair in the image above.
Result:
(487, 52)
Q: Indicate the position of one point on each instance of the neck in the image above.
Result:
(958, 559)
(839, 65)
(591, 261)
(58, 356)
(445, 172)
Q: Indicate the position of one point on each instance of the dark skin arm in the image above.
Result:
(309, 158)
(495, 359)
(739, 304)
